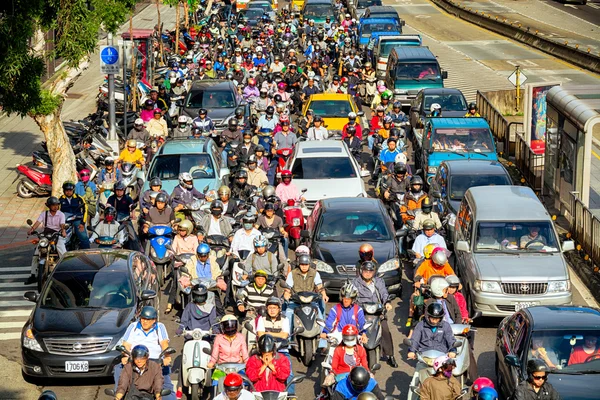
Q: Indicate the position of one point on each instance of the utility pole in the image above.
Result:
(112, 131)
(518, 85)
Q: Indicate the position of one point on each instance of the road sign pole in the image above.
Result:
(112, 122)
(125, 94)
(518, 73)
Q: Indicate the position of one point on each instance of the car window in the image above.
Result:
(367, 29)
(448, 102)
(443, 180)
(351, 226)
(514, 332)
(367, 3)
(418, 71)
(465, 219)
(169, 166)
(517, 237)
(460, 183)
(211, 99)
(331, 108)
(318, 10)
(564, 349)
(323, 168)
(478, 140)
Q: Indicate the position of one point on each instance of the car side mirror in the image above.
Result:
(436, 194)
(402, 23)
(31, 296)
(148, 295)
(512, 360)
(401, 233)
(568, 245)
(360, 113)
(444, 74)
(224, 173)
(462, 245)
(305, 234)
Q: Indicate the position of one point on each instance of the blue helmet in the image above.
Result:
(487, 393)
(203, 249)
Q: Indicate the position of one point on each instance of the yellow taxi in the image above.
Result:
(297, 5)
(334, 109)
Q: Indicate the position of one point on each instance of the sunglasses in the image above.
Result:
(537, 378)
(84, 174)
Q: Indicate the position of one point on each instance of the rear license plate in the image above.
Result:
(520, 306)
(77, 366)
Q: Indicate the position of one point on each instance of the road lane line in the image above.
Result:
(582, 289)
(8, 325)
(10, 336)
(15, 313)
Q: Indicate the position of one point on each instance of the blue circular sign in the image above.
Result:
(109, 55)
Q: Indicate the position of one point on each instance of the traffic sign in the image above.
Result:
(513, 77)
(109, 60)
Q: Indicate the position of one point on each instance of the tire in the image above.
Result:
(372, 357)
(195, 392)
(307, 356)
(159, 269)
(40, 275)
(295, 243)
(22, 190)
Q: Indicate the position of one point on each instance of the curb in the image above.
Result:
(585, 272)
(573, 55)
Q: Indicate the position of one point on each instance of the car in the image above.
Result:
(251, 16)
(334, 109)
(559, 330)
(266, 6)
(186, 155)
(219, 97)
(452, 101)
(83, 311)
(452, 180)
(378, 11)
(386, 43)
(358, 7)
(338, 226)
(326, 169)
(318, 10)
(371, 28)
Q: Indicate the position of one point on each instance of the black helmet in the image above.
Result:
(400, 168)
(367, 266)
(52, 201)
(242, 173)
(216, 204)
(266, 344)
(229, 324)
(536, 365)
(140, 351)
(472, 106)
(199, 294)
(270, 110)
(416, 180)
(48, 395)
(435, 310)
(232, 124)
(239, 112)
(259, 147)
(248, 218)
(304, 259)
(351, 130)
(119, 186)
(110, 211)
(427, 205)
(395, 132)
(68, 186)
(161, 197)
(109, 161)
(359, 378)
(202, 111)
(148, 312)
(155, 182)
(277, 98)
(269, 206)
(273, 301)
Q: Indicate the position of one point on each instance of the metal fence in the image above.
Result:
(585, 228)
(530, 164)
(498, 124)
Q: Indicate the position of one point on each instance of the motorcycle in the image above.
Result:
(219, 246)
(223, 370)
(294, 221)
(132, 178)
(374, 313)
(160, 236)
(283, 155)
(194, 362)
(238, 270)
(34, 180)
(272, 394)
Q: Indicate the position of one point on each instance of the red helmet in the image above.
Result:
(233, 382)
(251, 81)
(344, 80)
(286, 173)
(281, 85)
(481, 383)
(349, 335)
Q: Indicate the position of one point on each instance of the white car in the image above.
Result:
(326, 169)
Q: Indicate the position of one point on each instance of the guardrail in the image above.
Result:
(523, 34)
(529, 163)
(584, 228)
(498, 124)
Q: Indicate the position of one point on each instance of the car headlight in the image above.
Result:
(389, 265)
(400, 91)
(333, 133)
(431, 170)
(559, 286)
(451, 219)
(488, 286)
(29, 341)
(44, 242)
(324, 267)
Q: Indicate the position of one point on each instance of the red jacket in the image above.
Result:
(376, 123)
(268, 380)
(339, 366)
(462, 304)
(358, 131)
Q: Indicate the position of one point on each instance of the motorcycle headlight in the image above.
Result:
(306, 299)
(44, 242)
(324, 267)
(29, 341)
(559, 286)
(370, 308)
(296, 221)
(160, 232)
(389, 265)
(488, 286)
(431, 170)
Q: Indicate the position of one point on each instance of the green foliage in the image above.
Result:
(48, 103)
(171, 3)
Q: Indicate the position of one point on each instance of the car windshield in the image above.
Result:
(516, 237)
(368, 3)
(255, 12)
(367, 29)
(211, 99)
(386, 47)
(567, 351)
(103, 288)
(462, 140)
(331, 108)
(318, 10)
(323, 168)
(352, 226)
(460, 183)
(448, 102)
(418, 71)
(169, 166)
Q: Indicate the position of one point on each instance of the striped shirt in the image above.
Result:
(151, 339)
(256, 297)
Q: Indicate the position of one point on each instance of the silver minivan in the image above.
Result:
(507, 251)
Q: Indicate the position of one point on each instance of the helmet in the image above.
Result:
(349, 335)
(488, 393)
(348, 291)
(232, 124)
(119, 186)
(350, 130)
(155, 182)
(428, 224)
(472, 106)
(52, 201)
(434, 310)
(139, 121)
(216, 204)
(242, 173)
(367, 266)
(366, 252)
(304, 259)
(266, 344)
(392, 139)
(131, 143)
(400, 168)
(186, 225)
(386, 95)
(302, 250)
(162, 198)
(268, 191)
(148, 103)
(281, 85)
(140, 351)
(426, 205)
(110, 213)
(270, 110)
(535, 365)
(224, 190)
(381, 89)
(435, 107)
(252, 82)
(286, 173)
(359, 378)
(273, 301)
(368, 65)
(416, 180)
(233, 382)
(68, 186)
(184, 178)
(427, 250)
(439, 256)
(229, 324)
(203, 249)
(380, 108)
(453, 281)
(202, 111)
(109, 161)
(248, 218)
(366, 396)
(352, 116)
(397, 104)
(438, 284)
(48, 395)
(387, 119)
(269, 206)
(199, 294)
(182, 119)
(261, 241)
(261, 272)
(442, 361)
(482, 382)
(148, 312)
(84, 175)
(258, 148)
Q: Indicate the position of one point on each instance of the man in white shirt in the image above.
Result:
(317, 131)
(244, 238)
(428, 236)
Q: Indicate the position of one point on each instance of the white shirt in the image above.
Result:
(244, 241)
(285, 325)
(244, 395)
(136, 335)
(214, 228)
(319, 133)
(422, 240)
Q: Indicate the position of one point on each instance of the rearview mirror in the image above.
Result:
(367, 325)
(568, 245)
(407, 342)
(165, 392)
(401, 233)
(148, 295)
(299, 329)
(297, 378)
(436, 194)
(462, 245)
(391, 297)
(31, 296)
(476, 315)
(375, 367)
(206, 350)
(321, 323)
(360, 113)
(249, 327)
(184, 270)
(29, 222)
(512, 360)
(457, 344)
(169, 351)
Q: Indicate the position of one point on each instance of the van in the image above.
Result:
(385, 45)
(319, 10)
(508, 254)
(370, 29)
(358, 7)
(410, 69)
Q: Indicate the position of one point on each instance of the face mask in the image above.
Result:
(246, 140)
(252, 167)
(182, 126)
(247, 226)
(447, 373)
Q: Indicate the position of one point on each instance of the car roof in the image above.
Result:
(213, 84)
(318, 2)
(381, 9)
(564, 317)
(458, 122)
(321, 148)
(185, 146)
(412, 53)
(501, 203)
(475, 167)
(377, 20)
(432, 91)
(330, 96)
(95, 259)
(352, 204)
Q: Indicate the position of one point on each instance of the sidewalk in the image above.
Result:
(19, 137)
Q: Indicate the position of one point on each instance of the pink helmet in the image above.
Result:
(284, 118)
(84, 175)
(481, 383)
(441, 361)
(281, 85)
(381, 89)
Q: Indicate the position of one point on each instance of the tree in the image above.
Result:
(76, 24)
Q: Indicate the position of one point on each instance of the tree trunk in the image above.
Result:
(160, 42)
(186, 11)
(177, 21)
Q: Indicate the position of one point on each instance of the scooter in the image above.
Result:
(294, 220)
(156, 247)
(194, 362)
(272, 394)
(225, 368)
(34, 181)
(132, 178)
(374, 313)
(219, 246)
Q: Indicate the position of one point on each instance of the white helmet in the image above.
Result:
(185, 177)
(182, 119)
(401, 158)
(138, 122)
(302, 250)
(438, 284)
(435, 106)
(352, 115)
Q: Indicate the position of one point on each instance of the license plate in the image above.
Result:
(77, 366)
(520, 306)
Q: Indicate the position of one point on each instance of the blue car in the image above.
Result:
(373, 27)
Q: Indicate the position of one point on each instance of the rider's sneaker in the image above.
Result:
(392, 362)
(30, 280)
(408, 323)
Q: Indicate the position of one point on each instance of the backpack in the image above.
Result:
(269, 257)
(338, 313)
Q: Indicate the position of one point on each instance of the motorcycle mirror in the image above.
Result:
(29, 222)
(476, 315)
(300, 329)
(110, 392)
(226, 273)
(367, 325)
(165, 392)
(380, 275)
(418, 172)
(249, 327)
(391, 297)
(305, 234)
(326, 284)
(177, 220)
(407, 342)
(297, 379)
(169, 351)
(184, 270)
(360, 114)
(375, 367)
(205, 189)
(206, 350)
(321, 323)
(248, 382)
(304, 190)
(122, 349)
(457, 344)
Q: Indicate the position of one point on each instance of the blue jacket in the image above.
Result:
(193, 317)
(80, 188)
(344, 390)
(427, 337)
(387, 156)
(347, 317)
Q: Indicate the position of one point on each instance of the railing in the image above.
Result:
(498, 124)
(530, 164)
(585, 228)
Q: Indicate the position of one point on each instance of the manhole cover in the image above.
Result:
(75, 95)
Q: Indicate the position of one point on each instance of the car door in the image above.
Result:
(462, 232)
(511, 341)
(415, 109)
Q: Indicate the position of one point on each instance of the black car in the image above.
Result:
(452, 180)
(338, 226)
(83, 312)
(452, 101)
(556, 335)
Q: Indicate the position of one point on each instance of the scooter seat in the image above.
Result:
(41, 170)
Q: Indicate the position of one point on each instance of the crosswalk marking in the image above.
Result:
(10, 336)
(8, 325)
(596, 6)
(16, 313)
(18, 284)
(12, 270)
(12, 293)
(14, 309)
(16, 303)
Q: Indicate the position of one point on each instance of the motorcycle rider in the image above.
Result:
(139, 133)
(119, 200)
(156, 187)
(256, 176)
(140, 378)
(262, 259)
(184, 193)
(358, 381)
(267, 121)
(109, 227)
(432, 333)
(397, 114)
(203, 121)
(416, 195)
(268, 370)
(287, 190)
(241, 189)
(183, 130)
(229, 207)
(317, 131)
(439, 294)
(441, 385)
(233, 386)
(109, 173)
(70, 203)
(214, 223)
(472, 111)
(229, 346)
(243, 239)
(256, 294)
(429, 235)
(232, 133)
(536, 387)
(398, 182)
(353, 142)
(159, 214)
(53, 220)
(425, 213)
(157, 126)
(285, 139)
(352, 122)
(371, 289)
(347, 354)
(478, 385)
(489, 393)
(435, 111)
(345, 313)
(388, 155)
(366, 253)
(131, 154)
(437, 265)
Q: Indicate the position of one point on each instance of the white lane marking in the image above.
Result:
(16, 303)
(10, 336)
(571, 5)
(582, 289)
(17, 284)
(16, 324)
(596, 6)
(15, 313)
(13, 269)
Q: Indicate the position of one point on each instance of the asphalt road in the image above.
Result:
(589, 12)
